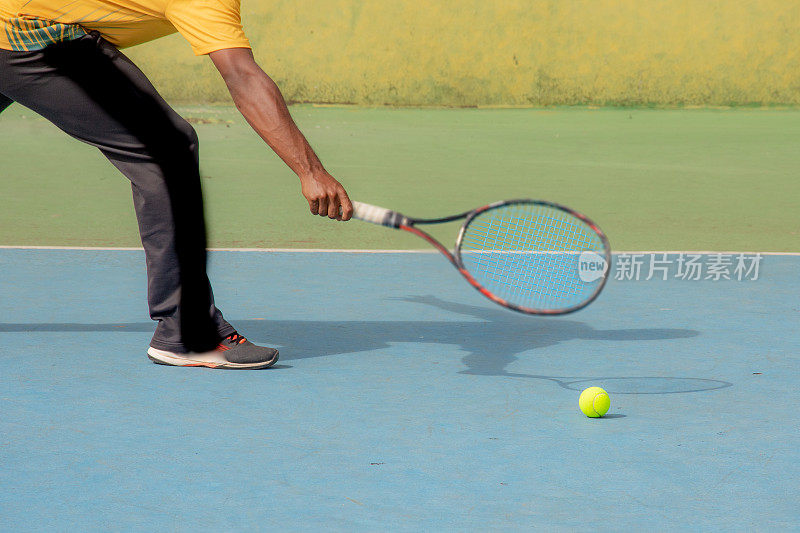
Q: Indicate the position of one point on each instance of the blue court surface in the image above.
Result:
(403, 401)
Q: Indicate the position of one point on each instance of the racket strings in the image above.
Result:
(528, 254)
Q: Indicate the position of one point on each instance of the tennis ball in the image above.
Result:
(594, 402)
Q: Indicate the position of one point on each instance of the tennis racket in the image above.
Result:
(531, 256)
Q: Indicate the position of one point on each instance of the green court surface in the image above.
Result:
(688, 179)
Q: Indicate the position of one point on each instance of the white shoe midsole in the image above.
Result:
(214, 357)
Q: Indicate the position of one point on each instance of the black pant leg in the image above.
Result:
(4, 102)
(94, 93)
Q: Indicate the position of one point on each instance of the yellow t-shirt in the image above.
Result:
(208, 25)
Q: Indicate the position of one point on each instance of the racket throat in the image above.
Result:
(433, 242)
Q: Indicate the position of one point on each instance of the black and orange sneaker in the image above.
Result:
(234, 351)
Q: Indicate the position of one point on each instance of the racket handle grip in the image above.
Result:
(378, 215)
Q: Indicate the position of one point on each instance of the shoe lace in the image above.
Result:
(235, 338)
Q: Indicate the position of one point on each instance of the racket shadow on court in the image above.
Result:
(523, 335)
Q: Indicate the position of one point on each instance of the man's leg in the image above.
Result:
(94, 93)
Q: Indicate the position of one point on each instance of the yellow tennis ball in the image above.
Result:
(594, 402)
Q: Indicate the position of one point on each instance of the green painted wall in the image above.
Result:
(510, 52)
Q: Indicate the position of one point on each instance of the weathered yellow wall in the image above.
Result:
(507, 52)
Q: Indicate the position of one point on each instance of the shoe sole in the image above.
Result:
(161, 357)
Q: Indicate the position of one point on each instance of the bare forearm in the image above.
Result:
(262, 105)
(260, 101)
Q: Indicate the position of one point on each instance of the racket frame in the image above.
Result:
(470, 217)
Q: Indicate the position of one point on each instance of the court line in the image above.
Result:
(360, 251)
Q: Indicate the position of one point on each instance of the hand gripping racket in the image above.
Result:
(531, 256)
